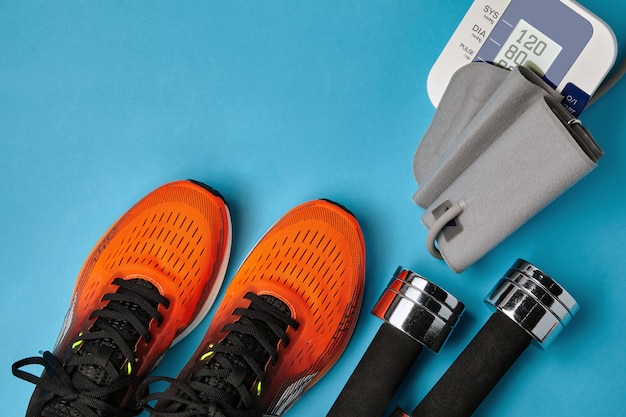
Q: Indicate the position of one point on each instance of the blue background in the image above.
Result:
(275, 103)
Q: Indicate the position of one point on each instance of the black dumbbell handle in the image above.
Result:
(378, 375)
(477, 370)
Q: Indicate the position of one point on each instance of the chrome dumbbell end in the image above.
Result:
(534, 301)
(419, 308)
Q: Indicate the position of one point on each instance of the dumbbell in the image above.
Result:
(529, 306)
(415, 313)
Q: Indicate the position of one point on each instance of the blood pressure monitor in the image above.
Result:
(565, 43)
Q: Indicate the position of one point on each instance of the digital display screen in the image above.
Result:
(526, 45)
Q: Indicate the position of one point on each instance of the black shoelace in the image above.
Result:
(231, 374)
(97, 372)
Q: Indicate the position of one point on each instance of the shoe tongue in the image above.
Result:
(277, 304)
(251, 345)
(105, 358)
(104, 351)
(60, 410)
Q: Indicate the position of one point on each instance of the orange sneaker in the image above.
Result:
(147, 283)
(285, 319)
